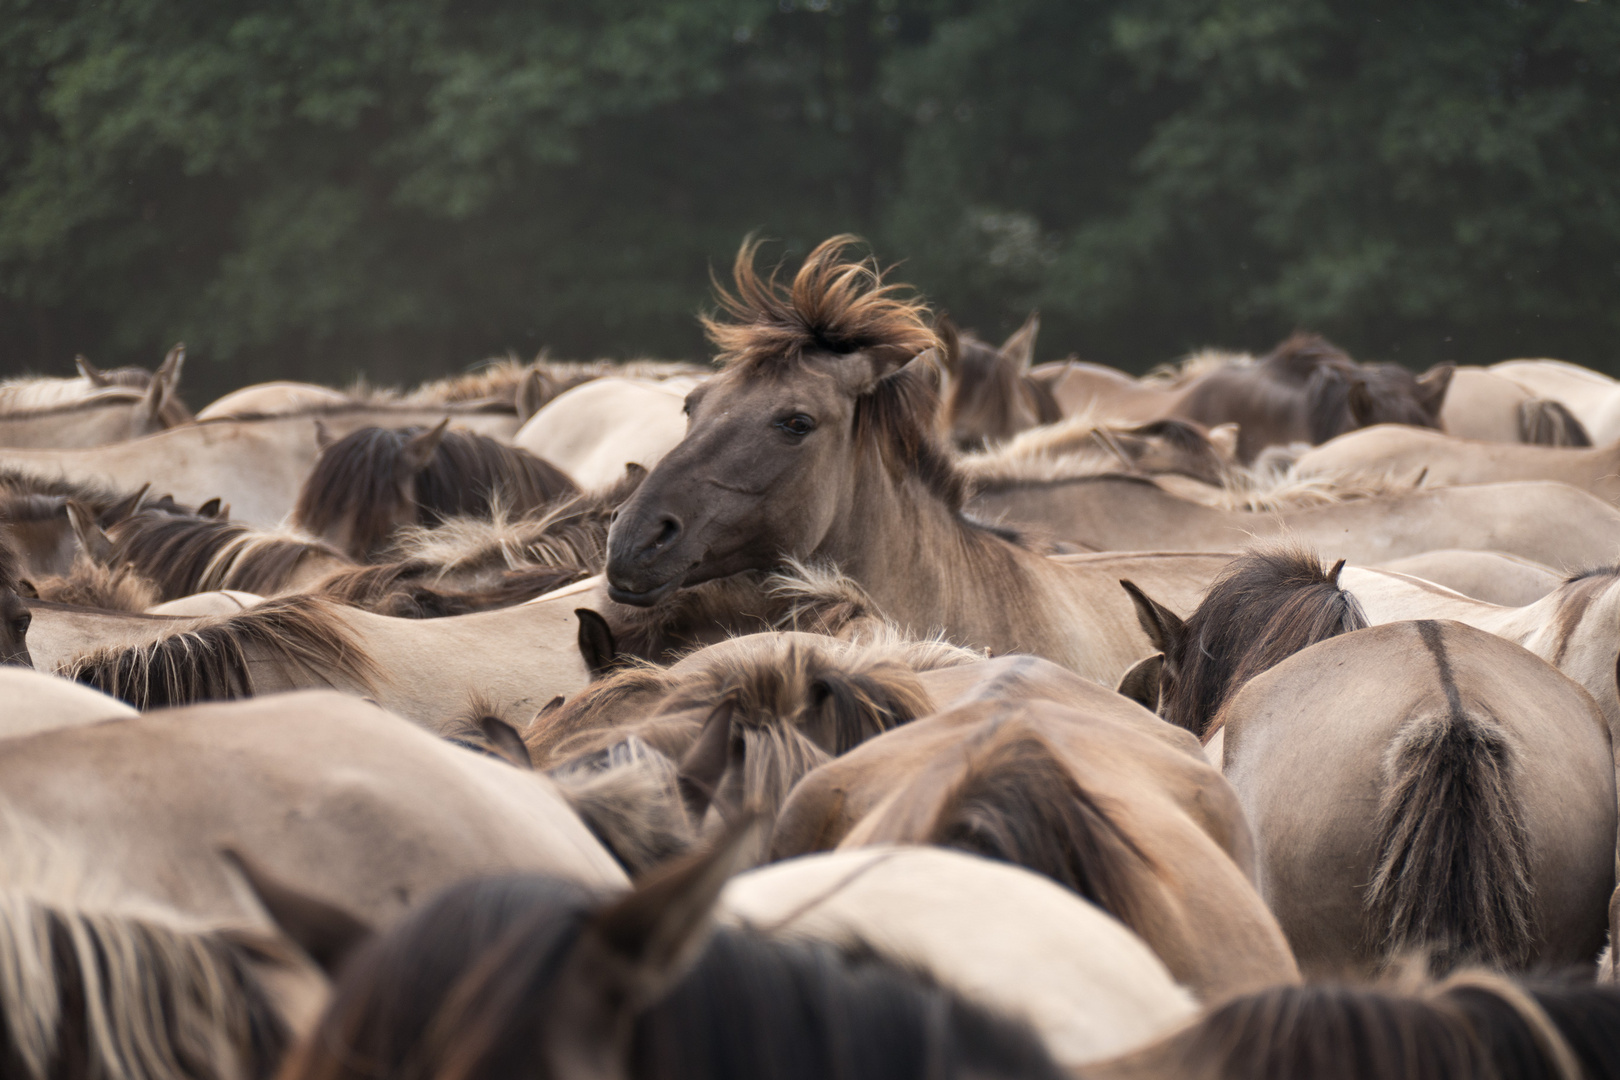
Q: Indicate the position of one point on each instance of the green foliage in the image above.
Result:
(319, 186)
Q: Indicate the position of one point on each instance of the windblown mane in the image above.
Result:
(840, 305)
(358, 478)
(90, 584)
(569, 533)
(773, 687)
(1264, 607)
(210, 662)
(186, 554)
(130, 994)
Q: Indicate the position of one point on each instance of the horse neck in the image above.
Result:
(929, 570)
(1573, 631)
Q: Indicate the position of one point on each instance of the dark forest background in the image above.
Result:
(315, 188)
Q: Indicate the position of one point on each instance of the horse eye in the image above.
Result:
(23, 622)
(797, 424)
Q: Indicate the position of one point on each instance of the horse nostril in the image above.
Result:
(670, 530)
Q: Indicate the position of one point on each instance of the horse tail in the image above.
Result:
(1545, 422)
(1452, 873)
(1016, 802)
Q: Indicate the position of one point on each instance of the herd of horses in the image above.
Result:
(872, 702)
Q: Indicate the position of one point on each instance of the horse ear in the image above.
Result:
(164, 380)
(125, 507)
(91, 373)
(1432, 387)
(323, 436)
(596, 642)
(657, 932)
(1163, 627)
(93, 540)
(1020, 347)
(531, 394)
(950, 344)
(210, 509)
(1224, 438)
(506, 741)
(327, 933)
(1141, 682)
(705, 762)
(420, 448)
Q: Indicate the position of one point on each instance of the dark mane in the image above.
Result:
(464, 986)
(210, 662)
(1474, 1025)
(1264, 607)
(184, 554)
(358, 479)
(97, 400)
(1017, 802)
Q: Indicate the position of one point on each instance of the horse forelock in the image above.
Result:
(1265, 606)
(838, 305)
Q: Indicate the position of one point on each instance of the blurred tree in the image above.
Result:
(318, 187)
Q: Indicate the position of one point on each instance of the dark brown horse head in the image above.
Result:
(991, 396)
(821, 378)
(1368, 394)
(14, 614)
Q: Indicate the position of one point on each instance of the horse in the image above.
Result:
(1549, 523)
(1445, 460)
(93, 410)
(140, 856)
(532, 976)
(1473, 1024)
(1090, 790)
(594, 430)
(991, 396)
(817, 441)
(998, 934)
(257, 464)
(1426, 786)
(373, 481)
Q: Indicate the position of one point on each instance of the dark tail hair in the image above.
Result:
(1452, 872)
(210, 662)
(1545, 422)
(1018, 803)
